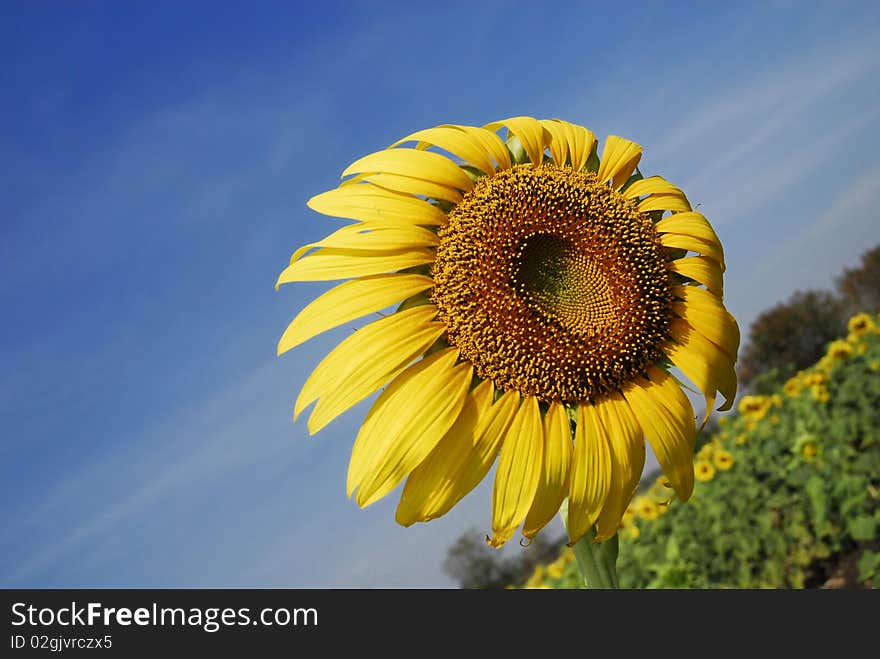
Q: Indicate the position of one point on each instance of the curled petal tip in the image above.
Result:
(494, 541)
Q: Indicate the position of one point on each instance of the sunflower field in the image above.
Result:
(786, 495)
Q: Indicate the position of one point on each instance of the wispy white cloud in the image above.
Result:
(778, 171)
(744, 116)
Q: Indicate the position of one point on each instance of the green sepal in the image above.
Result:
(592, 164)
(518, 153)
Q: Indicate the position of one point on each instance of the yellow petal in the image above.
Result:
(619, 160)
(688, 224)
(373, 236)
(558, 141)
(328, 263)
(679, 241)
(627, 453)
(667, 419)
(651, 185)
(704, 312)
(580, 144)
(413, 163)
(416, 186)
(553, 484)
(348, 301)
(365, 361)
(703, 362)
(406, 422)
(590, 473)
(531, 133)
(449, 479)
(664, 202)
(433, 480)
(519, 469)
(462, 458)
(456, 142)
(492, 144)
(371, 203)
(663, 195)
(701, 269)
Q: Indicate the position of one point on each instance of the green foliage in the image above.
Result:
(869, 566)
(804, 486)
(801, 495)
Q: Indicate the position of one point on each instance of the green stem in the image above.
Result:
(597, 560)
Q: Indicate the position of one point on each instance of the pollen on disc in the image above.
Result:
(552, 284)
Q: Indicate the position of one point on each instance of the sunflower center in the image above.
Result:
(552, 284)
(555, 279)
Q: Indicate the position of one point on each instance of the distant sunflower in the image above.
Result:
(861, 324)
(839, 350)
(723, 460)
(704, 470)
(647, 509)
(540, 285)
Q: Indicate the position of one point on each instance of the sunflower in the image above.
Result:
(647, 509)
(839, 350)
(820, 393)
(533, 285)
(793, 386)
(808, 447)
(861, 324)
(704, 470)
(723, 460)
(755, 407)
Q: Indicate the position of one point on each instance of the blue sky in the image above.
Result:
(156, 159)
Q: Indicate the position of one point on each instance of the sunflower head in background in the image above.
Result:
(540, 293)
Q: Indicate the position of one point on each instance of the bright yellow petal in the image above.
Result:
(436, 475)
(553, 484)
(703, 362)
(406, 422)
(492, 144)
(462, 458)
(664, 202)
(580, 144)
(705, 313)
(688, 224)
(348, 301)
(456, 142)
(373, 236)
(619, 160)
(590, 473)
(707, 248)
(701, 269)
(416, 186)
(367, 202)
(558, 141)
(328, 263)
(413, 163)
(627, 452)
(519, 469)
(531, 133)
(667, 418)
(365, 361)
(651, 185)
